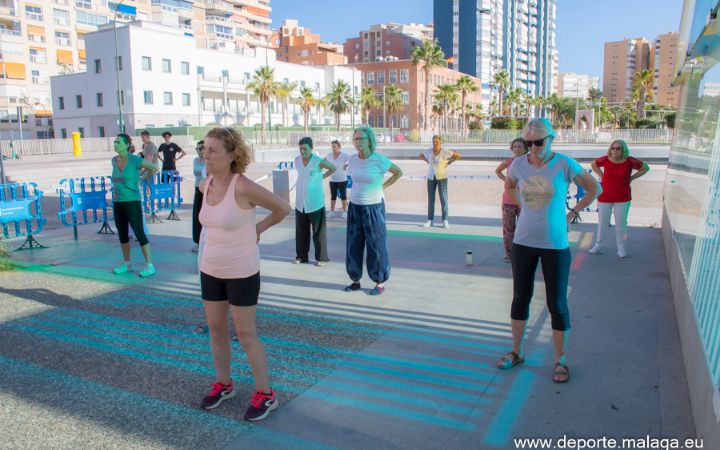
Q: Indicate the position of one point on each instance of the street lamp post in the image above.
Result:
(121, 121)
(267, 45)
(352, 118)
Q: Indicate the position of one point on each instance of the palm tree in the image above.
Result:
(368, 101)
(594, 95)
(447, 95)
(514, 96)
(643, 90)
(306, 101)
(284, 90)
(393, 103)
(338, 99)
(430, 55)
(264, 87)
(616, 111)
(501, 81)
(465, 85)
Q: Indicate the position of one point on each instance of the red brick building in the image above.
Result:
(297, 45)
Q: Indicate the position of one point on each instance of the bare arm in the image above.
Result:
(642, 171)
(259, 196)
(511, 188)
(150, 170)
(455, 156)
(329, 166)
(422, 157)
(202, 186)
(396, 172)
(499, 170)
(596, 169)
(182, 154)
(592, 191)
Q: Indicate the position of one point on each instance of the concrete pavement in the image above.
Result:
(103, 361)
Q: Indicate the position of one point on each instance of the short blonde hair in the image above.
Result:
(370, 134)
(234, 143)
(623, 144)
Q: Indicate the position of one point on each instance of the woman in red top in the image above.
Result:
(615, 171)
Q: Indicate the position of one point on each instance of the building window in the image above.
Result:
(99, 98)
(82, 132)
(200, 70)
(61, 102)
(146, 63)
(101, 131)
(61, 17)
(78, 101)
(406, 98)
(381, 77)
(404, 75)
(186, 99)
(393, 77)
(148, 97)
(34, 13)
(166, 66)
(89, 18)
(167, 98)
(63, 133)
(62, 38)
(184, 68)
(371, 78)
(98, 66)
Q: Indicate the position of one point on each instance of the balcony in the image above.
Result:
(219, 20)
(217, 6)
(8, 13)
(8, 32)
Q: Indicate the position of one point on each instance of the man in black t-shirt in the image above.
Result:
(168, 152)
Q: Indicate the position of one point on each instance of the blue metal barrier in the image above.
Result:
(162, 192)
(20, 208)
(574, 197)
(84, 201)
(282, 165)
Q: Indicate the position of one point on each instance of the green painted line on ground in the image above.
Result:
(434, 235)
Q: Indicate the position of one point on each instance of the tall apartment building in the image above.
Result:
(665, 56)
(387, 40)
(43, 38)
(166, 80)
(484, 37)
(621, 61)
(575, 85)
(297, 45)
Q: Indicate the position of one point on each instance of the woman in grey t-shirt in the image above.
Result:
(539, 183)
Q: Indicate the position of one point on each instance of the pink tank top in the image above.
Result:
(507, 200)
(230, 249)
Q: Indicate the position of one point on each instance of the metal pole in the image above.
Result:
(352, 117)
(121, 122)
(20, 118)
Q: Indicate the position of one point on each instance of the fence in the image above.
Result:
(284, 139)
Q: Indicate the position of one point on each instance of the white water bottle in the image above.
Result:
(468, 258)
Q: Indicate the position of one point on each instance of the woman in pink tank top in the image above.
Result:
(510, 209)
(230, 264)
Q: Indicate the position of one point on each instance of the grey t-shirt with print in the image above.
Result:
(542, 222)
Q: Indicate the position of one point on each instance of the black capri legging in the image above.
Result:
(336, 186)
(129, 213)
(556, 270)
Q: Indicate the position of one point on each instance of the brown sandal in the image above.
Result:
(561, 373)
(509, 361)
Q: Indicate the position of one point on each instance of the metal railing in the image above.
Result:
(289, 138)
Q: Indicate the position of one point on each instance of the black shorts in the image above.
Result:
(238, 291)
(340, 186)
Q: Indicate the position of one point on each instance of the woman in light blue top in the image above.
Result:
(200, 173)
(539, 183)
(126, 177)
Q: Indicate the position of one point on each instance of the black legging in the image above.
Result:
(196, 226)
(556, 270)
(129, 213)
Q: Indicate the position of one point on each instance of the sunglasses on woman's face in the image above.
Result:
(536, 142)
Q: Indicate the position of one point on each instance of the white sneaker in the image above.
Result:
(332, 214)
(445, 224)
(196, 248)
(427, 224)
(343, 214)
(622, 253)
(320, 263)
(125, 268)
(595, 250)
(149, 271)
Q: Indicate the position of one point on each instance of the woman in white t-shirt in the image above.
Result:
(539, 182)
(366, 215)
(438, 160)
(338, 180)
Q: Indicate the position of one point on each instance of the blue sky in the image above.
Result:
(583, 26)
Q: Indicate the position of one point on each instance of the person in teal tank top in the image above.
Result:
(127, 209)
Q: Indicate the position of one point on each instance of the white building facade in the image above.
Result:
(576, 85)
(165, 80)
